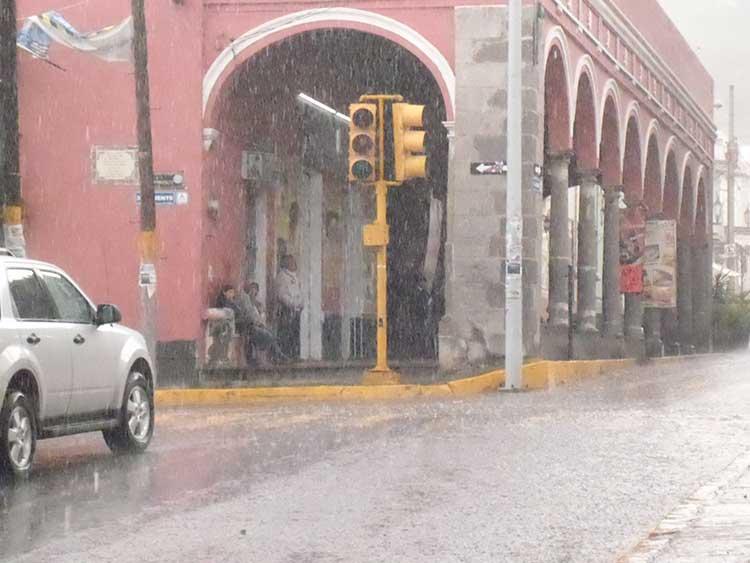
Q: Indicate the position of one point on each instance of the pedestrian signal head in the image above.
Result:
(362, 142)
(409, 157)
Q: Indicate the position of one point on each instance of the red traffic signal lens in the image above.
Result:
(362, 169)
(363, 118)
(363, 144)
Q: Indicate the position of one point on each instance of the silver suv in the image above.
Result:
(66, 366)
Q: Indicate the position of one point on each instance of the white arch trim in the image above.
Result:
(610, 88)
(333, 14)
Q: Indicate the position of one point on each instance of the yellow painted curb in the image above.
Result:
(536, 375)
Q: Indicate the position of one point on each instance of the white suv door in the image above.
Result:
(94, 351)
(46, 340)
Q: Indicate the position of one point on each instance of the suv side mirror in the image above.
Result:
(107, 314)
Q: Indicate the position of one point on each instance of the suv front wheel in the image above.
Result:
(136, 418)
(17, 434)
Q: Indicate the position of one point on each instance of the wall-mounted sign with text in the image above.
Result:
(114, 165)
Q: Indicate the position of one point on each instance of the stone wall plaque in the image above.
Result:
(115, 165)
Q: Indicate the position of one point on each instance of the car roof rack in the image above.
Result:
(6, 252)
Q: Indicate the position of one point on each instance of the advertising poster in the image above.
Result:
(660, 265)
(632, 245)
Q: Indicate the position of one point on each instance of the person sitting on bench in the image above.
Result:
(253, 316)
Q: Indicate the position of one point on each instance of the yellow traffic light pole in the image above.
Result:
(376, 234)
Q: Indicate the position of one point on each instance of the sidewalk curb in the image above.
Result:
(536, 375)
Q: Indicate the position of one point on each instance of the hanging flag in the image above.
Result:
(112, 44)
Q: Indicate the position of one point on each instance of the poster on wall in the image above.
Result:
(660, 265)
(632, 245)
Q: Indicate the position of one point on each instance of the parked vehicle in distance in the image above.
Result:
(66, 366)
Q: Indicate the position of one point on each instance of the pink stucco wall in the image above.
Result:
(656, 27)
(90, 230)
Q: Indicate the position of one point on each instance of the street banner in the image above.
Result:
(660, 265)
(112, 43)
(632, 244)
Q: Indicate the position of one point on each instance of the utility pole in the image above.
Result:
(514, 207)
(147, 241)
(10, 175)
(731, 168)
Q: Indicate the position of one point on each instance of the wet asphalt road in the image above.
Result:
(577, 473)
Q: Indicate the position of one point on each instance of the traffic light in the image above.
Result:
(409, 159)
(363, 142)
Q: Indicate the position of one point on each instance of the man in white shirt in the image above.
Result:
(289, 298)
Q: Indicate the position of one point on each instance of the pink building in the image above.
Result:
(615, 103)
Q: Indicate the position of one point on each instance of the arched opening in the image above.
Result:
(556, 104)
(652, 177)
(609, 147)
(584, 126)
(631, 167)
(557, 163)
(687, 213)
(671, 202)
(685, 270)
(702, 270)
(278, 177)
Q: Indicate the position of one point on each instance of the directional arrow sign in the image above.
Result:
(488, 168)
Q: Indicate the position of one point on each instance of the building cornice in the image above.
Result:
(636, 43)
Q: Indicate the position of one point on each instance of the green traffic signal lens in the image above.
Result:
(363, 144)
(363, 118)
(361, 169)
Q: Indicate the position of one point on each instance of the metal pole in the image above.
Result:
(514, 206)
(382, 373)
(731, 166)
(10, 177)
(148, 244)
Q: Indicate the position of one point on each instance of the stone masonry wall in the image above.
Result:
(474, 326)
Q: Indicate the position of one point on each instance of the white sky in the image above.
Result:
(719, 32)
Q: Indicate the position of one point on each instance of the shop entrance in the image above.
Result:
(284, 149)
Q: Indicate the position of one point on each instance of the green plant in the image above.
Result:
(731, 316)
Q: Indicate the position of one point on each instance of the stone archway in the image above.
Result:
(558, 159)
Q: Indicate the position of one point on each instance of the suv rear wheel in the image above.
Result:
(136, 417)
(17, 434)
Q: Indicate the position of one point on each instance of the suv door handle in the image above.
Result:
(33, 339)
(79, 339)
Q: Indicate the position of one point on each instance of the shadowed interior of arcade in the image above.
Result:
(277, 186)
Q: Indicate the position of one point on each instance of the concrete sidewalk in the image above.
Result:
(712, 525)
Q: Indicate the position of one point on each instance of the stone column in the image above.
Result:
(588, 263)
(702, 289)
(652, 325)
(685, 282)
(559, 237)
(612, 298)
